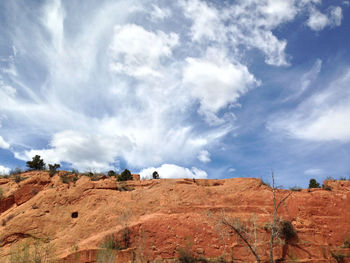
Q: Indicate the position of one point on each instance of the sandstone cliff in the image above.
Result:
(167, 215)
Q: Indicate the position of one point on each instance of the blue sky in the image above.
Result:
(205, 89)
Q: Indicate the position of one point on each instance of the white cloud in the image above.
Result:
(314, 171)
(127, 86)
(158, 13)
(137, 52)
(306, 81)
(231, 170)
(174, 171)
(4, 170)
(248, 24)
(322, 117)
(216, 82)
(206, 20)
(318, 21)
(4, 144)
(336, 16)
(204, 156)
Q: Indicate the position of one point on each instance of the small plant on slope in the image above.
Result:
(313, 183)
(36, 163)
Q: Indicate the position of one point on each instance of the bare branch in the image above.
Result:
(245, 240)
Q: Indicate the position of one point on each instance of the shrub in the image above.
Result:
(122, 187)
(16, 171)
(53, 169)
(111, 242)
(286, 230)
(17, 178)
(155, 175)
(111, 173)
(346, 243)
(66, 179)
(36, 163)
(313, 183)
(33, 251)
(185, 256)
(295, 188)
(338, 257)
(327, 187)
(265, 183)
(1, 194)
(125, 176)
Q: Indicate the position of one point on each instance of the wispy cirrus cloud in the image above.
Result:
(133, 81)
(324, 116)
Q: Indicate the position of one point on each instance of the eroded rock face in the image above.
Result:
(166, 215)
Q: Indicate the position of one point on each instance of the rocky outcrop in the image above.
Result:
(162, 217)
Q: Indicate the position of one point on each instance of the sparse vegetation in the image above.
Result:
(125, 176)
(94, 176)
(326, 187)
(111, 242)
(122, 187)
(295, 188)
(265, 183)
(313, 184)
(16, 171)
(340, 258)
(185, 256)
(111, 173)
(32, 251)
(66, 178)
(17, 178)
(1, 193)
(53, 169)
(286, 230)
(36, 163)
(346, 242)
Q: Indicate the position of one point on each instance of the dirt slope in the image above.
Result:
(165, 215)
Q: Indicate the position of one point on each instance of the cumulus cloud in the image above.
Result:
(248, 24)
(204, 156)
(318, 21)
(322, 117)
(216, 82)
(126, 86)
(4, 170)
(174, 171)
(137, 52)
(4, 144)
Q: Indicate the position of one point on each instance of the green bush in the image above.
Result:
(313, 183)
(327, 187)
(111, 173)
(125, 176)
(36, 163)
(53, 169)
(286, 230)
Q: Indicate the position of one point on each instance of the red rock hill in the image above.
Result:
(74, 216)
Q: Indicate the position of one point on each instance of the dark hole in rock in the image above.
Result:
(75, 215)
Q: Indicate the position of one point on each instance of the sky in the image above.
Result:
(190, 88)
